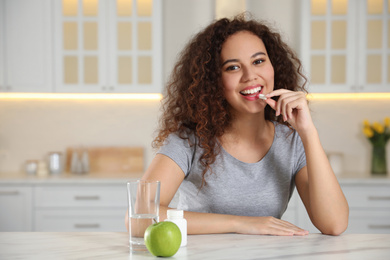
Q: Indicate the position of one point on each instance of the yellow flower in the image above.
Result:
(368, 132)
(387, 121)
(366, 123)
(378, 128)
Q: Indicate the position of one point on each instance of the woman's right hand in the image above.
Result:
(267, 226)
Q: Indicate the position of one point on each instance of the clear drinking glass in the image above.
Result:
(144, 203)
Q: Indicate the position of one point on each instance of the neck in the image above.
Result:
(249, 128)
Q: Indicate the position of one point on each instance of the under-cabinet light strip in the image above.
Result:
(347, 96)
(158, 96)
(141, 96)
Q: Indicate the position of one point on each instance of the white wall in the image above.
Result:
(339, 123)
(30, 129)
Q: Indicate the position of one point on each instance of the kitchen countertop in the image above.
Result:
(110, 245)
(363, 179)
(115, 178)
(68, 178)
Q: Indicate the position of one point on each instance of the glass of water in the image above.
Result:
(144, 202)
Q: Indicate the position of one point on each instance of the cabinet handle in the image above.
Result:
(86, 225)
(86, 197)
(9, 193)
(379, 226)
(378, 197)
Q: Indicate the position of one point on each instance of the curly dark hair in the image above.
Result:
(194, 101)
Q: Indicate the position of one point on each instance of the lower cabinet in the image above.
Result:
(80, 220)
(102, 207)
(369, 221)
(369, 209)
(15, 208)
(63, 207)
(80, 208)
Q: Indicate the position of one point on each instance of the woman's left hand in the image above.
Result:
(292, 105)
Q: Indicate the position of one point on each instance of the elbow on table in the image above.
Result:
(335, 229)
(333, 224)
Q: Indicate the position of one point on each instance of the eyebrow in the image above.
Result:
(236, 60)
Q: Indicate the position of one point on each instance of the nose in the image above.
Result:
(249, 74)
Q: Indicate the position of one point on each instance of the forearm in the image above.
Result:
(328, 206)
(205, 223)
(200, 223)
(210, 223)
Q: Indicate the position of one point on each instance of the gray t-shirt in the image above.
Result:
(235, 187)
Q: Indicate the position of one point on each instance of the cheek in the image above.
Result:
(228, 82)
(270, 71)
(270, 74)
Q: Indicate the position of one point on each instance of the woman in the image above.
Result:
(236, 137)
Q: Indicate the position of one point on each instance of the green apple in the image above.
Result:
(163, 238)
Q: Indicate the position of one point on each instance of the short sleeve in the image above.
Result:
(300, 156)
(180, 151)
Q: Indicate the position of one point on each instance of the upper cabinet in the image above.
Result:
(25, 46)
(346, 45)
(81, 46)
(108, 46)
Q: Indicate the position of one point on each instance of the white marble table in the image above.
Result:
(89, 245)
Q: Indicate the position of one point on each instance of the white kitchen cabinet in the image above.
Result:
(71, 220)
(25, 46)
(369, 208)
(346, 45)
(15, 208)
(80, 207)
(108, 46)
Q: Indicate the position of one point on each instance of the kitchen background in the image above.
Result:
(30, 128)
(51, 46)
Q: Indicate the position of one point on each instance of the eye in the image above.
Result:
(258, 61)
(232, 67)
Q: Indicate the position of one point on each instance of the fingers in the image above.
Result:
(283, 228)
(287, 105)
(270, 226)
(287, 102)
(284, 105)
(271, 102)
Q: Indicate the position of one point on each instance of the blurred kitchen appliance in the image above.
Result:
(31, 167)
(42, 170)
(79, 161)
(55, 163)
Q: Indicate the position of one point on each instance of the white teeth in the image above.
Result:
(251, 91)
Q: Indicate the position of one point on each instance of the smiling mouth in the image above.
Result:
(249, 92)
